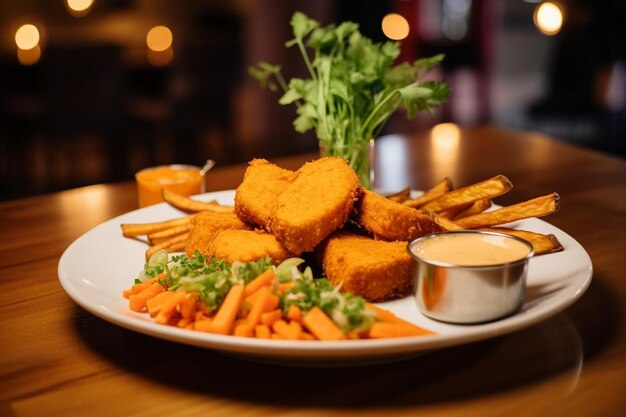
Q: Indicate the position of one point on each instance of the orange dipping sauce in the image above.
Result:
(181, 179)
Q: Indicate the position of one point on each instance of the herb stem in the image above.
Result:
(305, 57)
(375, 111)
(279, 77)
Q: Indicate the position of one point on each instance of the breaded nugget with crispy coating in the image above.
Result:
(316, 203)
(247, 246)
(205, 226)
(388, 220)
(374, 269)
(256, 196)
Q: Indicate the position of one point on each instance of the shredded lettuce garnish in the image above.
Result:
(347, 310)
(212, 278)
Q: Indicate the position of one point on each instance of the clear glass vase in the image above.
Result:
(360, 157)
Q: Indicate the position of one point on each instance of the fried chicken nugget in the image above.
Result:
(256, 196)
(206, 225)
(388, 220)
(247, 246)
(316, 203)
(374, 269)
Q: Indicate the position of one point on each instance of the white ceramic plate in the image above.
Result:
(98, 266)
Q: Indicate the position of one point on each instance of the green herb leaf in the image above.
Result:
(289, 97)
(302, 25)
(426, 64)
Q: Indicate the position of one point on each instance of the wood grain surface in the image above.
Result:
(56, 359)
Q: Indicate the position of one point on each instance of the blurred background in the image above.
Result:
(92, 91)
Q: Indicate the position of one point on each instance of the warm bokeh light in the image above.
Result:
(446, 136)
(395, 26)
(445, 139)
(27, 37)
(29, 56)
(160, 58)
(159, 38)
(98, 197)
(78, 8)
(548, 18)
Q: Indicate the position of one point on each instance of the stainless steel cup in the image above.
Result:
(468, 294)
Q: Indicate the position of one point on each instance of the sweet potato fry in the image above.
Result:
(476, 207)
(178, 245)
(453, 211)
(466, 210)
(174, 244)
(133, 230)
(542, 244)
(441, 188)
(537, 207)
(193, 206)
(490, 188)
(163, 235)
(400, 196)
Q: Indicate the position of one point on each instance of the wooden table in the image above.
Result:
(58, 360)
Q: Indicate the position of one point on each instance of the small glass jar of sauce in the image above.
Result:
(181, 179)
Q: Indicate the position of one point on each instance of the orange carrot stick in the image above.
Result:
(223, 321)
(306, 336)
(243, 330)
(137, 302)
(250, 298)
(322, 327)
(385, 330)
(169, 307)
(266, 301)
(187, 306)
(294, 313)
(203, 325)
(386, 315)
(184, 323)
(261, 331)
(200, 316)
(155, 304)
(271, 317)
(262, 280)
(295, 330)
(137, 288)
(282, 328)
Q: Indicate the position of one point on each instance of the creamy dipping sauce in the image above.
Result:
(470, 249)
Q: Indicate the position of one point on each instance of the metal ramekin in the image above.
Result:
(469, 294)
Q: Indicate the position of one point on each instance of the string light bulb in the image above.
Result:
(395, 26)
(78, 8)
(27, 37)
(159, 38)
(548, 18)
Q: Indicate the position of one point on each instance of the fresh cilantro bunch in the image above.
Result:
(354, 86)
